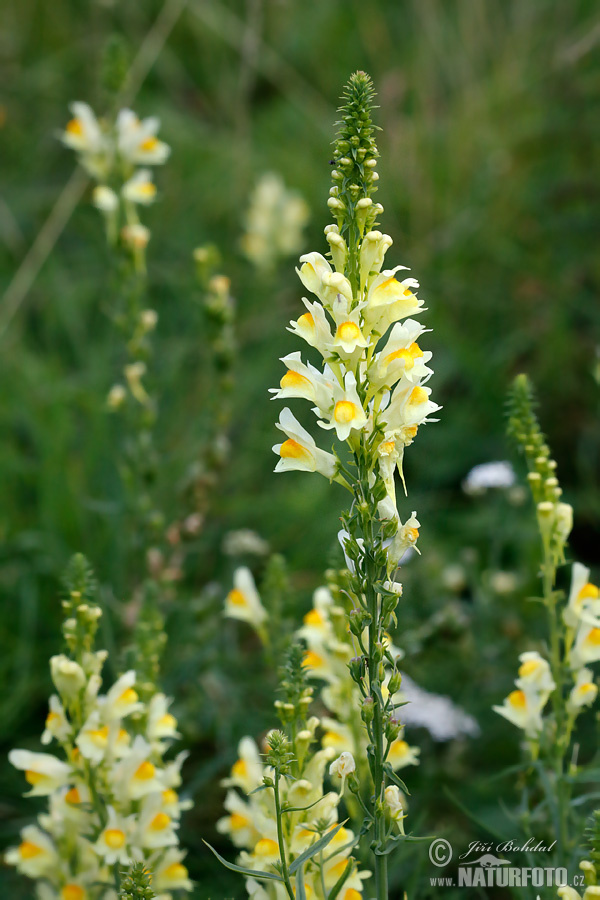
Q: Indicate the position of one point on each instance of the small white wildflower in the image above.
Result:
(244, 541)
(486, 476)
(343, 766)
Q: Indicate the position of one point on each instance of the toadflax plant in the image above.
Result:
(370, 393)
(111, 793)
(554, 687)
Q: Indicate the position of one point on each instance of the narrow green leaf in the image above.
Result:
(341, 880)
(289, 809)
(393, 777)
(315, 848)
(268, 876)
(300, 890)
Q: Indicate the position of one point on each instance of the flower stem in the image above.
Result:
(280, 840)
(376, 728)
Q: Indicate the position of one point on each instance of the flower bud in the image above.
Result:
(564, 520)
(116, 397)
(357, 668)
(367, 710)
(104, 199)
(394, 682)
(392, 728)
(67, 675)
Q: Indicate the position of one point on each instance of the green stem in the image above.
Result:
(377, 724)
(561, 741)
(280, 840)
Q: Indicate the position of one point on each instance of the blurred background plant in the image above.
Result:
(488, 155)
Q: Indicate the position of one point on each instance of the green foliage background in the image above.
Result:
(489, 178)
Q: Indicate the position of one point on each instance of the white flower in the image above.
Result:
(135, 236)
(348, 335)
(57, 725)
(239, 824)
(401, 356)
(317, 626)
(161, 723)
(104, 199)
(523, 710)
(116, 397)
(121, 700)
(485, 476)
(243, 601)
(343, 766)
(274, 222)
(93, 738)
(155, 827)
(112, 842)
(313, 327)
(135, 775)
(372, 253)
(247, 770)
(587, 643)
(83, 133)
(139, 188)
(312, 271)
(300, 451)
(584, 691)
(389, 300)
(137, 141)
(306, 382)
(35, 856)
(584, 597)
(169, 873)
(44, 772)
(244, 541)
(438, 714)
(337, 736)
(394, 801)
(535, 674)
(348, 414)
(401, 754)
(409, 406)
(405, 538)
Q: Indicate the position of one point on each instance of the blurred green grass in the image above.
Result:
(489, 165)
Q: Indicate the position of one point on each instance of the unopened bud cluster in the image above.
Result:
(555, 517)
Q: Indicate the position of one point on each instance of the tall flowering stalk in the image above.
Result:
(559, 674)
(370, 392)
(118, 153)
(112, 798)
